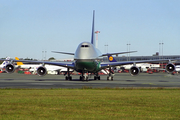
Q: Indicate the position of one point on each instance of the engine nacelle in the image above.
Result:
(9, 68)
(170, 67)
(134, 70)
(41, 71)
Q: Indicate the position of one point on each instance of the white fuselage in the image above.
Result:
(85, 51)
(177, 69)
(85, 58)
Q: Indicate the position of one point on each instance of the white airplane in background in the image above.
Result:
(177, 69)
(51, 69)
(25, 66)
(86, 61)
(144, 67)
(4, 63)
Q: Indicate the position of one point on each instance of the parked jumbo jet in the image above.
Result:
(51, 69)
(142, 66)
(85, 61)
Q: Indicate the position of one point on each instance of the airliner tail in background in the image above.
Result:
(111, 58)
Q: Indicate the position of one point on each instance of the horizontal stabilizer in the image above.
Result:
(63, 52)
(117, 53)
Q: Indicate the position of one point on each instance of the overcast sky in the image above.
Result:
(28, 27)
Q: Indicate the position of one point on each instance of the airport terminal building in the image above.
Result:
(139, 58)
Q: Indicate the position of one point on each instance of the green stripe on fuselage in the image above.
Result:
(86, 65)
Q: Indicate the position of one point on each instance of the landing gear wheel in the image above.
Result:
(111, 78)
(68, 78)
(99, 78)
(87, 79)
(80, 78)
(83, 78)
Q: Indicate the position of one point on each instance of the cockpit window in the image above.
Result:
(84, 45)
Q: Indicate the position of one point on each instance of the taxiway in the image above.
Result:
(124, 80)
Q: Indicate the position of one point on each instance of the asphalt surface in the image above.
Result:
(122, 80)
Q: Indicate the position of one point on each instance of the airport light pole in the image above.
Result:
(97, 38)
(106, 46)
(162, 51)
(44, 55)
(159, 49)
(159, 54)
(128, 49)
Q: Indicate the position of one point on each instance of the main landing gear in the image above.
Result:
(84, 76)
(110, 77)
(97, 77)
(68, 77)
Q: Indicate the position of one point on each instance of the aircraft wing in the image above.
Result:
(113, 64)
(63, 64)
(107, 54)
(63, 52)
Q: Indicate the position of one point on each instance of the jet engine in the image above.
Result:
(134, 70)
(170, 67)
(9, 68)
(41, 71)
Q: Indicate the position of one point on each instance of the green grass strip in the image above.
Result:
(86, 103)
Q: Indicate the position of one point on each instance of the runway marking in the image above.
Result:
(163, 81)
(41, 83)
(150, 83)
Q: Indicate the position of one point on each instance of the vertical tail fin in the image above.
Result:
(111, 58)
(18, 63)
(92, 37)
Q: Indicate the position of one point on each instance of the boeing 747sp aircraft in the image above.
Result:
(85, 61)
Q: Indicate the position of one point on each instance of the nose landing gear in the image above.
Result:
(84, 76)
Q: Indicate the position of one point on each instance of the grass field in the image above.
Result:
(55, 104)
